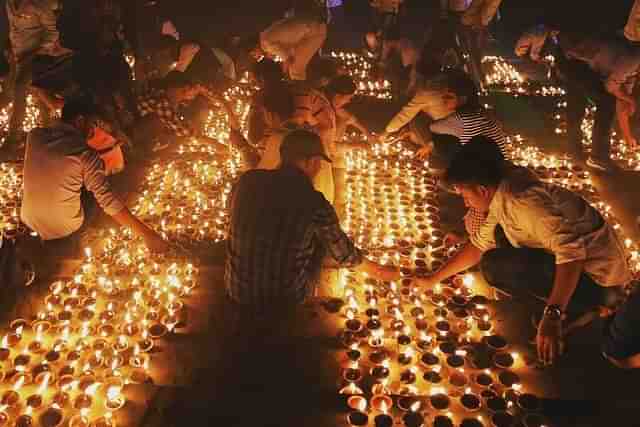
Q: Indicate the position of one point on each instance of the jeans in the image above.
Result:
(527, 274)
(621, 337)
(583, 84)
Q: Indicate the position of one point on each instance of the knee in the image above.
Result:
(490, 265)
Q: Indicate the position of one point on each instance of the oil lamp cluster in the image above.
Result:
(416, 356)
(10, 200)
(360, 69)
(502, 76)
(92, 335)
(32, 117)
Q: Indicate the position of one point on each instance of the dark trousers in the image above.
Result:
(583, 84)
(621, 333)
(527, 274)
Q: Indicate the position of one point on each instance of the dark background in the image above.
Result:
(216, 20)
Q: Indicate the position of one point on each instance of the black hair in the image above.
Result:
(268, 71)
(463, 85)
(80, 106)
(320, 69)
(479, 162)
(279, 99)
(176, 80)
(342, 85)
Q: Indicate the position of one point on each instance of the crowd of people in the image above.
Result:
(533, 241)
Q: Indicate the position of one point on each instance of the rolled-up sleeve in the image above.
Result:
(95, 181)
(338, 244)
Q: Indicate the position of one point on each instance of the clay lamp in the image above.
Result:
(471, 402)
(413, 419)
(502, 419)
(442, 421)
(503, 360)
(471, 422)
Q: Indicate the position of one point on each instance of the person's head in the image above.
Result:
(278, 100)
(304, 150)
(458, 89)
(81, 113)
(341, 91)
(180, 87)
(267, 72)
(476, 171)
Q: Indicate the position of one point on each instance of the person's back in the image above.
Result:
(57, 165)
(272, 253)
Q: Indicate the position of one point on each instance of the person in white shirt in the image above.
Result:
(540, 242)
(32, 33)
(295, 41)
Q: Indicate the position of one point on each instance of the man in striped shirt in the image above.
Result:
(281, 228)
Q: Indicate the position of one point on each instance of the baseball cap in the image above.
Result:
(302, 144)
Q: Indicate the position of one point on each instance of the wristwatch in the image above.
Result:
(553, 311)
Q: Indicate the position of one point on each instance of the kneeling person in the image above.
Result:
(280, 229)
(539, 241)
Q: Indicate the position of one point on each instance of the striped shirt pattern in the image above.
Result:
(467, 124)
(280, 230)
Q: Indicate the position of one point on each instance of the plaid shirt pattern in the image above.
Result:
(280, 230)
(156, 102)
(473, 220)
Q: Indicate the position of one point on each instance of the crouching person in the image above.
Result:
(540, 243)
(63, 177)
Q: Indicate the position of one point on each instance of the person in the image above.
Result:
(295, 40)
(272, 105)
(279, 231)
(159, 109)
(384, 19)
(467, 120)
(59, 171)
(409, 53)
(340, 93)
(532, 42)
(632, 28)
(427, 104)
(475, 34)
(540, 242)
(323, 111)
(33, 37)
(609, 81)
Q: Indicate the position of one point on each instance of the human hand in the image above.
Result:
(549, 339)
(452, 239)
(424, 152)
